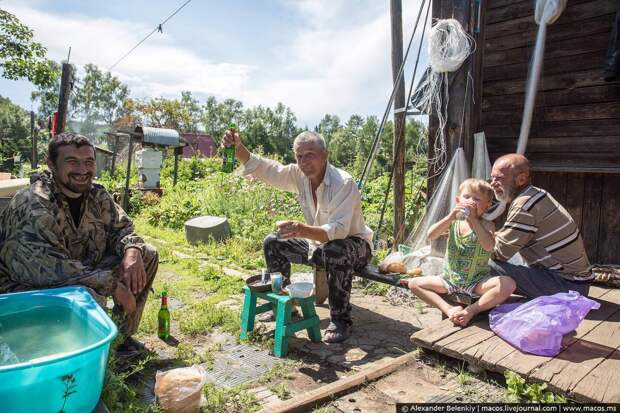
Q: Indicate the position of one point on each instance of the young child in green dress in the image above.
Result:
(466, 269)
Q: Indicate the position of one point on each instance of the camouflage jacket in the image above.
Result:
(40, 246)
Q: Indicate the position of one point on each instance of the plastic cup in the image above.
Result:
(276, 282)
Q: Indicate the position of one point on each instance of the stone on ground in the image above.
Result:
(206, 228)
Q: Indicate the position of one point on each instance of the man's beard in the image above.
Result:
(508, 194)
(78, 187)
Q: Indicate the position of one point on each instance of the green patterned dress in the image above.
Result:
(466, 263)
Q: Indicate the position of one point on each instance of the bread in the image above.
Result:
(415, 272)
(393, 266)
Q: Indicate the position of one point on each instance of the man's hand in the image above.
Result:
(231, 139)
(290, 229)
(131, 271)
(124, 298)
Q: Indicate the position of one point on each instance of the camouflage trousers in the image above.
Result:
(340, 259)
(128, 322)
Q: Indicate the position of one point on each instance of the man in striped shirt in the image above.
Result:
(541, 231)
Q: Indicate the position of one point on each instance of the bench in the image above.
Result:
(371, 272)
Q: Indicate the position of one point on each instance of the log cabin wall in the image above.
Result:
(574, 143)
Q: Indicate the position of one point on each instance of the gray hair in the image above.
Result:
(310, 137)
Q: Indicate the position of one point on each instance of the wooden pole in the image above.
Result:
(33, 135)
(458, 130)
(66, 84)
(400, 113)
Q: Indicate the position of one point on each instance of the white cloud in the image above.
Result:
(338, 61)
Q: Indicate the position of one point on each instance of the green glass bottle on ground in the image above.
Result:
(228, 161)
(163, 318)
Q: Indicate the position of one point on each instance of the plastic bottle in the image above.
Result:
(228, 155)
(163, 318)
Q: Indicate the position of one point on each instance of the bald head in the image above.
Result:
(517, 163)
(510, 175)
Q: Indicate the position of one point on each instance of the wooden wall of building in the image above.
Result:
(574, 144)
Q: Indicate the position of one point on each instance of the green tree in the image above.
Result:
(216, 116)
(20, 57)
(47, 95)
(273, 130)
(99, 99)
(14, 135)
(329, 125)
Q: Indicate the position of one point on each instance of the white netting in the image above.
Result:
(448, 47)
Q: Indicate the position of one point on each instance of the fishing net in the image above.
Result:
(448, 47)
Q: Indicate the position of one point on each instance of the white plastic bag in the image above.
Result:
(179, 390)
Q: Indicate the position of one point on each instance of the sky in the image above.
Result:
(315, 56)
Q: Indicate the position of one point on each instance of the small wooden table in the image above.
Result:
(282, 307)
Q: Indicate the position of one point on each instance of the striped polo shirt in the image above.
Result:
(544, 233)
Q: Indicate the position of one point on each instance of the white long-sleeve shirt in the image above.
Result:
(338, 209)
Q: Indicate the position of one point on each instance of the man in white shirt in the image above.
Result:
(334, 235)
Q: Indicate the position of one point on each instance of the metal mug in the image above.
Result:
(276, 282)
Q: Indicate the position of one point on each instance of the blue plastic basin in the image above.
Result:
(48, 376)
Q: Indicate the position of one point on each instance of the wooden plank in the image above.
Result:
(592, 200)
(602, 382)
(575, 13)
(514, 11)
(603, 127)
(569, 355)
(591, 111)
(574, 196)
(524, 32)
(557, 187)
(577, 362)
(541, 179)
(303, 402)
(569, 81)
(428, 336)
(609, 238)
(582, 144)
(578, 96)
(488, 353)
(455, 344)
(560, 48)
(569, 160)
(551, 66)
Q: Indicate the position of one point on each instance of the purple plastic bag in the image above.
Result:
(538, 325)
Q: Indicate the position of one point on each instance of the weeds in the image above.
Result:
(518, 390)
(281, 390)
(278, 372)
(463, 377)
(235, 400)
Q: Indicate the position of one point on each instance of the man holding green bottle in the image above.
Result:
(334, 235)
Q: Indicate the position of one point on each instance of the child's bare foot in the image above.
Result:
(452, 311)
(463, 317)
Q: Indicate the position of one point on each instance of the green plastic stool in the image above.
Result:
(282, 307)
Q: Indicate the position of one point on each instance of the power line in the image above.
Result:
(157, 28)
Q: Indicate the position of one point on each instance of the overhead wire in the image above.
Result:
(375, 145)
(157, 28)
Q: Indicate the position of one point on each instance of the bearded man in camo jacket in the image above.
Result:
(65, 230)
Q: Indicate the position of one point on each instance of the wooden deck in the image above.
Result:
(587, 369)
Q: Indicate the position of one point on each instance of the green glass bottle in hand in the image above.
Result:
(163, 318)
(228, 161)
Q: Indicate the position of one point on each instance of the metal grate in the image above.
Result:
(237, 364)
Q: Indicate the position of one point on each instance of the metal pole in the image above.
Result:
(126, 196)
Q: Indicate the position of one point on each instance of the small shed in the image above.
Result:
(104, 160)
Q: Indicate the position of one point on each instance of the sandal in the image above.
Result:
(336, 332)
